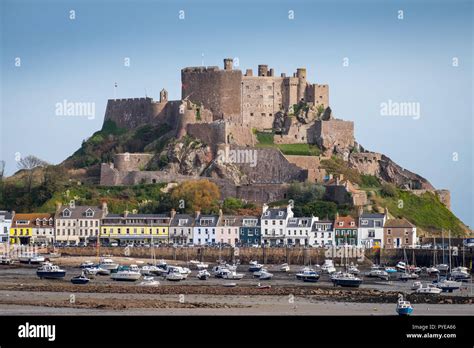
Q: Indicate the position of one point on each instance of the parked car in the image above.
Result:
(114, 244)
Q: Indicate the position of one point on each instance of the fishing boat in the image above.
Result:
(404, 308)
(328, 267)
(460, 273)
(254, 266)
(125, 275)
(31, 258)
(108, 264)
(233, 275)
(429, 289)
(149, 281)
(390, 270)
(80, 279)
(203, 274)
(230, 285)
(345, 279)
(308, 275)
(86, 264)
(50, 271)
(284, 267)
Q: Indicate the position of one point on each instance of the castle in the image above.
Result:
(225, 109)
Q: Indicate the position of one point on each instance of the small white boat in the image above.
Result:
(233, 275)
(390, 270)
(353, 270)
(378, 273)
(308, 275)
(4, 260)
(266, 286)
(148, 270)
(81, 279)
(203, 274)
(86, 264)
(328, 267)
(50, 271)
(230, 285)
(442, 267)
(219, 271)
(174, 275)
(31, 258)
(432, 270)
(401, 266)
(284, 267)
(108, 264)
(416, 285)
(91, 272)
(429, 289)
(265, 275)
(460, 273)
(202, 265)
(126, 275)
(448, 285)
(134, 268)
(149, 281)
(408, 276)
(102, 271)
(254, 266)
(232, 267)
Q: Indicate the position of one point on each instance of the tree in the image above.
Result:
(388, 190)
(231, 205)
(29, 163)
(194, 195)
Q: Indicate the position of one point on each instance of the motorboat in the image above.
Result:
(148, 270)
(404, 308)
(408, 276)
(265, 275)
(203, 274)
(254, 266)
(416, 285)
(134, 268)
(31, 258)
(353, 270)
(126, 275)
(447, 285)
(429, 289)
(102, 271)
(86, 264)
(90, 271)
(80, 279)
(345, 279)
(201, 266)
(174, 275)
(432, 270)
(219, 271)
(284, 267)
(266, 286)
(442, 267)
(308, 275)
(50, 271)
(460, 273)
(149, 281)
(378, 273)
(328, 267)
(232, 275)
(54, 255)
(181, 270)
(232, 267)
(108, 264)
(390, 270)
(401, 266)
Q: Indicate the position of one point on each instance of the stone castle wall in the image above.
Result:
(298, 133)
(131, 161)
(334, 135)
(312, 164)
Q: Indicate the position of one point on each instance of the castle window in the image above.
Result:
(251, 114)
(263, 114)
(270, 114)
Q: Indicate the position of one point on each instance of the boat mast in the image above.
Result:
(442, 244)
(449, 251)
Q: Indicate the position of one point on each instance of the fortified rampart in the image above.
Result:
(312, 164)
(334, 135)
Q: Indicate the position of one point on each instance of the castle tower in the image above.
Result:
(262, 70)
(163, 96)
(228, 63)
(301, 75)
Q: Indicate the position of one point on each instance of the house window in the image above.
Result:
(365, 222)
(371, 233)
(406, 240)
(389, 231)
(341, 223)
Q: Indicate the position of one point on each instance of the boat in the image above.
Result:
(265, 275)
(134, 268)
(266, 286)
(149, 281)
(219, 271)
(201, 266)
(404, 308)
(230, 285)
(108, 264)
(174, 275)
(408, 276)
(442, 267)
(328, 267)
(232, 275)
(432, 270)
(148, 270)
(203, 274)
(126, 275)
(345, 279)
(447, 285)
(416, 285)
(429, 289)
(284, 267)
(90, 271)
(50, 271)
(86, 264)
(31, 258)
(254, 266)
(54, 255)
(308, 275)
(232, 267)
(378, 273)
(460, 273)
(390, 270)
(401, 266)
(80, 279)
(353, 270)
(102, 271)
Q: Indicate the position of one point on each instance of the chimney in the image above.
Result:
(197, 213)
(264, 208)
(173, 213)
(220, 213)
(228, 63)
(105, 208)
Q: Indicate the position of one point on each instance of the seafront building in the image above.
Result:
(228, 228)
(345, 231)
(204, 230)
(5, 225)
(370, 230)
(322, 233)
(250, 232)
(274, 222)
(399, 233)
(298, 231)
(78, 224)
(32, 228)
(181, 228)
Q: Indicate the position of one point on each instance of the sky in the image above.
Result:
(368, 52)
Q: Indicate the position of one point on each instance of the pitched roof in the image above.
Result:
(79, 212)
(346, 222)
(299, 222)
(31, 218)
(176, 220)
(398, 223)
(215, 219)
(230, 220)
(372, 216)
(274, 213)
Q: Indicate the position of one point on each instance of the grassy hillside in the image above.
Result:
(265, 139)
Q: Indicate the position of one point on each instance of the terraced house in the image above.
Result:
(399, 233)
(78, 224)
(371, 230)
(32, 228)
(322, 233)
(181, 228)
(5, 225)
(298, 231)
(345, 230)
(129, 228)
(204, 230)
(250, 233)
(273, 224)
(227, 229)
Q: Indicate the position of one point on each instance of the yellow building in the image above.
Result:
(135, 228)
(32, 228)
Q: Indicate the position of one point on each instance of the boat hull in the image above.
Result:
(404, 311)
(347, 283)
(51, 275)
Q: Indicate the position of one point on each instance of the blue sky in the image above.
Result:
(407, 60)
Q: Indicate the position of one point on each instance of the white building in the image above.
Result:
(370, 231)
(298, 231)
(204, 230)
(322, 233)
(5, 225)
(273, 224)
